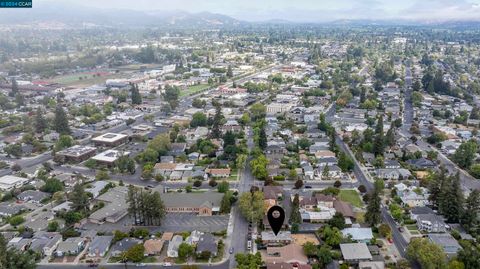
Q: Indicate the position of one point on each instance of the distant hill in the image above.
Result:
(76, 16)
(60, 14)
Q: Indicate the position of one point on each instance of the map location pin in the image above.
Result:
(276, 216)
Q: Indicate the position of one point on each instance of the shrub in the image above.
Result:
(16, 220)
(362, 189)
(212, 183)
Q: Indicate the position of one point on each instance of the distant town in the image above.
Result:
(165, 147)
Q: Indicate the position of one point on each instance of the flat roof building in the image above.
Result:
(76, 154)
(10, 182)
(110, 140)
(108, 157)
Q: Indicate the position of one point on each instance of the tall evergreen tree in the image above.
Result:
(436, 185)
(217, 120)
(14, 90)
(12, 258)
(229, 72)
(40, 121)
(262, 139)
(60, 122)
(452, 200)
(379, 126)
(472, 208)
(79, 198)
(295, 216)
(136, 96)
(146, 208)
(390, 137)
(379, 143)
(373, 214)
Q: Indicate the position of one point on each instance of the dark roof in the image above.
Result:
(344, 208)
(207, 243)
(421, 210)
(421, 163)
(272, 192)
(320, 197)
(125, 244)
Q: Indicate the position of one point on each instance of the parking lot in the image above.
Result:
(178, 222)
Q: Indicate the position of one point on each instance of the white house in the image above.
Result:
(173, 246)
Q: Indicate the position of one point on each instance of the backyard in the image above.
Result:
(351, 196)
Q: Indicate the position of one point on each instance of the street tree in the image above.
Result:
(251, 206)
(428, 254)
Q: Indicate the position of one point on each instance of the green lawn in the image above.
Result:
(87, 78)
(351, 196)
(411, 227)
(194, 89)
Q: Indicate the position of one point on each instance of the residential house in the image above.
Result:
(99, 246)
(177, 149)
(207, 243)
(124, 245)
(324, 154)
(415, 196)
(218, 172)
(393, 173)
(353, 253)
(392, 164)
(35, 197)
(173, 246)
(422, 163)
(153, 247)
(321, 214)
(344, 208)
(431, 223)
(448, 243)
(70, 247)
(45, 243)
(194, 237)
(362, 235)
(281, 239)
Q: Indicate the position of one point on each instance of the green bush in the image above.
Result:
(16, 220)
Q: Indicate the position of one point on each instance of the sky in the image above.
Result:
(305, 10)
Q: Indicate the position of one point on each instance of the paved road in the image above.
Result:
(223, 265)
(468, 182)
(363, 178)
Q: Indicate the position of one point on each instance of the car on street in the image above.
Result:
(231, 250)
(140, 265)
(308, 187)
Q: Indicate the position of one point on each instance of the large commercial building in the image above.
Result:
(110, 140)
(75, 154)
